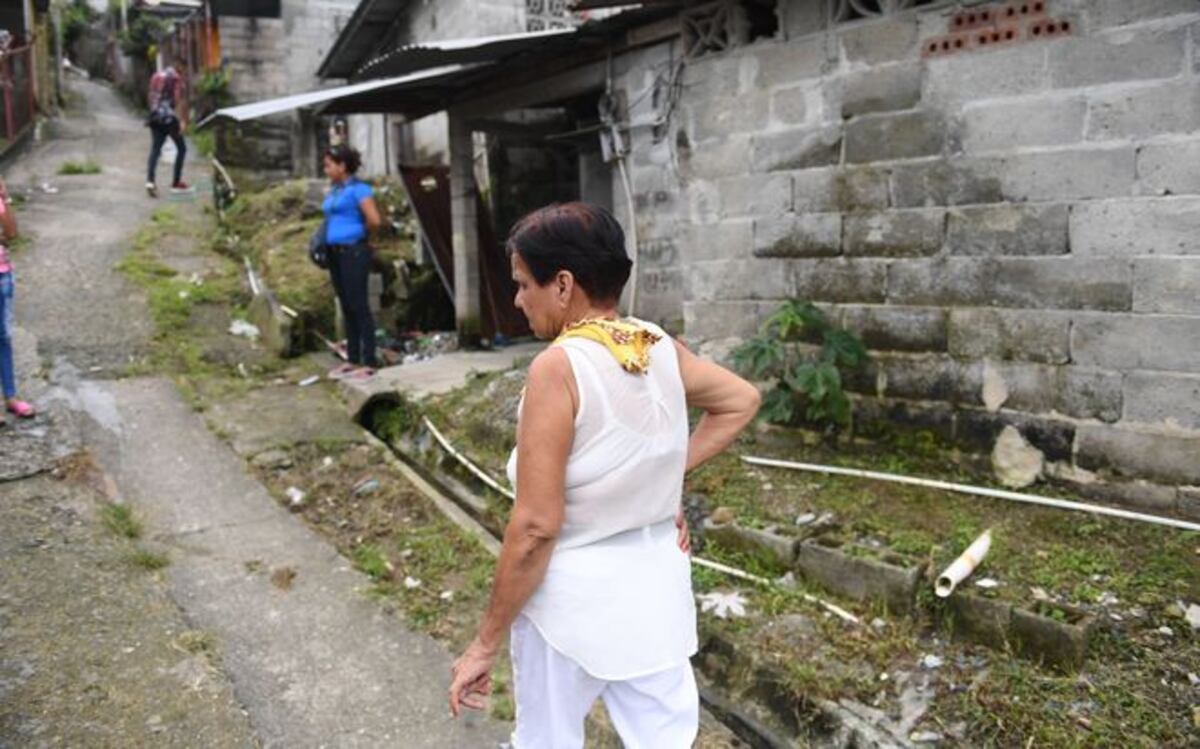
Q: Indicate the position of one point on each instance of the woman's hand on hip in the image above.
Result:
(471, 678)
(684, 539)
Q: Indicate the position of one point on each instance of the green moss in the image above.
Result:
(78, 167)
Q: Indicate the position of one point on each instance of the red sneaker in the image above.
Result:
(181, 186)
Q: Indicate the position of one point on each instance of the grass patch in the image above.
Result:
(197, 642)
(148, 560)
(120, 520)
(69, 168)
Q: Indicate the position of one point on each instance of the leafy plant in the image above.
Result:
(77, 16)
(808, 378)
(142, 36)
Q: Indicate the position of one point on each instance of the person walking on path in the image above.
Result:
(593, 582)
(350, 216)
(8, 378)
(163, 124)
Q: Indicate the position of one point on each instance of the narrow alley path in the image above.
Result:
(313, 662)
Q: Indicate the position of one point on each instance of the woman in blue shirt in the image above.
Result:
(351, 215)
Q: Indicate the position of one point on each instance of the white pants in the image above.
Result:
(554, 696)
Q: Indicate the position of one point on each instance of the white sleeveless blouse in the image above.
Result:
(617, 596)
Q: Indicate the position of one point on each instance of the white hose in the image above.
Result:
(481, 474)
(979, 491)
(962, 567)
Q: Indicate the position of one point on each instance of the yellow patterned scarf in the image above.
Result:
(628, 342)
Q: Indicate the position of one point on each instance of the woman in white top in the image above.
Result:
(593, 578)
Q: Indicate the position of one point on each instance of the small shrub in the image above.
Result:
(808, 385)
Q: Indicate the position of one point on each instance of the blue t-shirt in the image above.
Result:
(346, 222)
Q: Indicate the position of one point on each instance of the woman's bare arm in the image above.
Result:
(544, 439)
(8, 217)
(370, 212)
(729, 404)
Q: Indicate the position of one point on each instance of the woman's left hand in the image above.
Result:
(471, 678)
(685, 537)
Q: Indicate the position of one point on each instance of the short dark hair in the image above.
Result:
(582, 238)
(346, 156)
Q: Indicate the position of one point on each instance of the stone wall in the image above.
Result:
(1024, 214)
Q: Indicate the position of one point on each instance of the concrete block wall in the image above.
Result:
(1026, 216)
(269, 57)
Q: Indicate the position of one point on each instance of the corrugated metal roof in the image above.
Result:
(483, 49)
(396, 85)
(364, 32)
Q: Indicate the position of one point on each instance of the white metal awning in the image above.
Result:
(254, 110)
(482, 49)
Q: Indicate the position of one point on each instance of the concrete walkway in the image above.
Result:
(314, 662)
(316, 665)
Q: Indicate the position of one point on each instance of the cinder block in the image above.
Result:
(759, 195)
(1023, 335)
(932, 377)
(1068, 174)
(1154, 109)
(799, 235)
(1024, 283)
(708, 320)
(1053, 639)
(789, 106)
(1128, 342)
(800, 148)
(840, 280)
(1004, 71)
(1003, 126)
(859, 189)
(815, 190)
(770, 547)
(1167, 285)
(1155, 455)
(907, 233)
(786, 63)
(1103, 14)
(888, 137)
(980, 619)
(945, 182)
(887, 328)
(722, 117)
(879, 417)
(892, 582)
(1095, 60)
(1140, 226)
(731, 238)
(1062, 283)
(711, 77)
(882, 42)
(1087, 393)
(883, 89)
(1163, 399)
(727, 157)
(703, 200)
(1008, 230)
(725, 280)
(1169, 168)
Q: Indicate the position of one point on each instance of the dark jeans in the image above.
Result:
(159, 135)
(350, 266)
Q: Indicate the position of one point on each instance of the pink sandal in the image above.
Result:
(21, 409)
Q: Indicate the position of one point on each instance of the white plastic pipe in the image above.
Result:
(979, 491)
(481, 474)
(962, 567)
